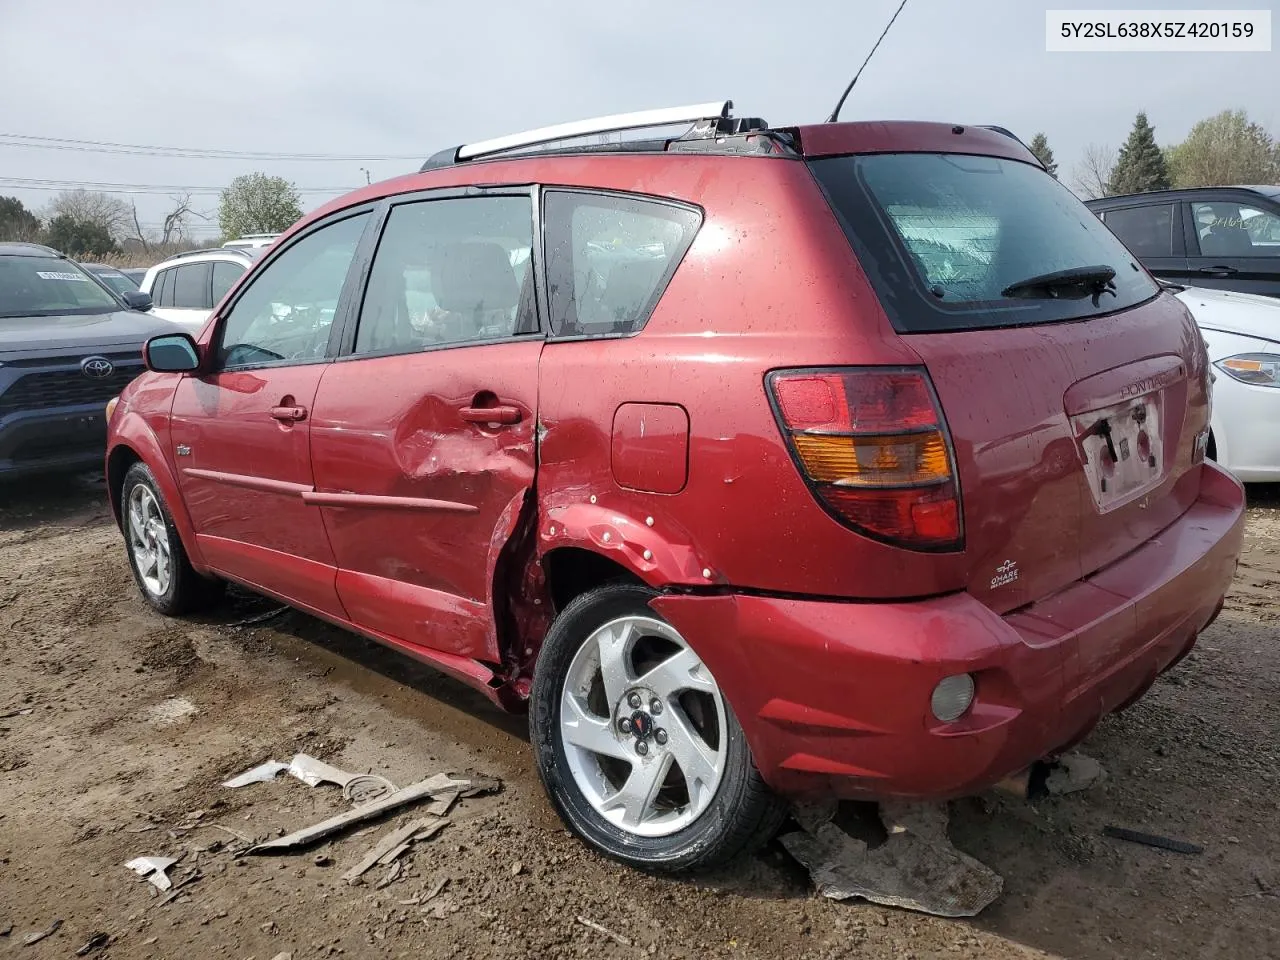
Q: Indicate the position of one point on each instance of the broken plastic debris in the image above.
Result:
(438, 785)
(916, 868)
(259, 774)
(396, 840)
(1072, 773)
(153, 869)
(314, 772)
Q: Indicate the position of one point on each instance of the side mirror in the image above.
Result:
(137, 300)
(171, 353)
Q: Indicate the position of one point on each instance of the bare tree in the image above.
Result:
(173, 228)
(89, 206)
(1090, 176)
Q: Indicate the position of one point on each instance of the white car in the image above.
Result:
(1242, 332)
(186, 288)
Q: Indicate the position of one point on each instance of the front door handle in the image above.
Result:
(289, 414)
(499, 414)
(1219, 271)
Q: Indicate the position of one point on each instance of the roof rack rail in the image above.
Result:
(705, 113)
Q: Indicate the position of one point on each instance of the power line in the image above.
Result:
(193, 153)
(39, 183)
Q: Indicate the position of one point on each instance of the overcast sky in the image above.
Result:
(381, 77)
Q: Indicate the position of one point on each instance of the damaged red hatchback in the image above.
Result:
(852, 460)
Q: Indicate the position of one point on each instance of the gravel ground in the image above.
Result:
(135, 720)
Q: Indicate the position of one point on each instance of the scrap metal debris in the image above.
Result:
(1151, 840)
(31, 938)
(392, 846)
(259, 774)
(359, 788)
(916, 868)
(432, 787)
(153, 869)
(615, 937)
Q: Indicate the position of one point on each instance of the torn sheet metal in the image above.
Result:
(440, 784)
(259, 774)
(153, 869)
(917, 868)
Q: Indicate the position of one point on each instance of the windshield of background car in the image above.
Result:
(117, 281)
(943, 236)
(45, 287)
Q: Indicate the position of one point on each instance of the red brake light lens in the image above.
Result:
(872, 444)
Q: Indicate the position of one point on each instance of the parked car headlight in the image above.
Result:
(1260, 369)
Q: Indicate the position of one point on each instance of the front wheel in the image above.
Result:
(156, 555)
(639, 750)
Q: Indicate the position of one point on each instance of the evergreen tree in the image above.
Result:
(1044, 153)
(1141, 166)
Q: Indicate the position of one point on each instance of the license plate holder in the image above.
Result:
(1122, 449)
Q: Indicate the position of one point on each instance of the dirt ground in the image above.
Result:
(135, 720)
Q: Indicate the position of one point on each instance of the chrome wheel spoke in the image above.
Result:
(614, 643)
(697, 761)
(683, 671)
(589, 732)
(137, 522)
(634, 800)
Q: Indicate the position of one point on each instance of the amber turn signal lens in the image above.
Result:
(912, 458)
(111, 406)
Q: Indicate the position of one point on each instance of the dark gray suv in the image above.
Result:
(68, 344)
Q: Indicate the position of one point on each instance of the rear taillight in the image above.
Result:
(873, 446)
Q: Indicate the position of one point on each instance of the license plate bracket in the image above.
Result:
(1122, 449)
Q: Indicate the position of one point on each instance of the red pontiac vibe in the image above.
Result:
(852, 460)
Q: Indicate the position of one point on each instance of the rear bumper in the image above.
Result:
(46, 441)
(834, 697)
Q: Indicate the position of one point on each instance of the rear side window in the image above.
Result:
(1146, 231)
(225, 274)
(949, 241)
(1226, 228)
(191, 287)
(609, 259)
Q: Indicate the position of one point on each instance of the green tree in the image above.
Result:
(1223, 149)
(1141, 166)
(1044, 153)
(257, 203)
(16, 221)
(79, 238)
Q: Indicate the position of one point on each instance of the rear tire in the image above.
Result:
(638, 749)
(157, 558)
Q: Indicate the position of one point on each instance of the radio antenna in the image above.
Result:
(835, 114)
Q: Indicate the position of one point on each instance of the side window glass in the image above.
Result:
(1146, 231)
(1230, 229)
(288, 308)
(225, 274)
(450, 271)
(609, 259)
(191, 287)
(164, 288)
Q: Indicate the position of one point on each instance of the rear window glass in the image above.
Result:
(609, 259)
(949, 241)
(45, 286)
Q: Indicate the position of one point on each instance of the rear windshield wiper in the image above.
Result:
(1092, 280)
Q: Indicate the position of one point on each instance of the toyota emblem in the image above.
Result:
(97, 368)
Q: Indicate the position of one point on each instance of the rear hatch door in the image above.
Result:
(1074, 390)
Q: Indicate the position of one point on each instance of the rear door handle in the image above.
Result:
(289, 414)
(499, 414)
(1219, 271)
